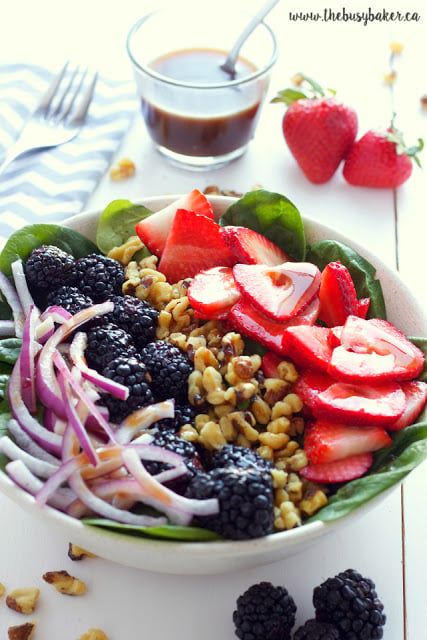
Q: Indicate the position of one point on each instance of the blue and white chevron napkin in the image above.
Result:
(50, 185)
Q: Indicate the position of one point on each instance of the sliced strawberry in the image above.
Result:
(193, 244)
(416, 396)
(310, 384)
(308, 346)
(337, 294)
(362, 404)
(279, 292)
(213, 291)
(270, 364)
(250, 247)
(153, 230)
(339, 470)
(362, 307)
(327, 441)
(250, 322)
(374, 350)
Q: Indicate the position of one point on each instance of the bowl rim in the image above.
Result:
(169, 548)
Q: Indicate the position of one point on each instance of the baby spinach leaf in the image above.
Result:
(361, 271)
(174, 532)
(117, 223)
(272, 215)
(10, 349)
(22, 242)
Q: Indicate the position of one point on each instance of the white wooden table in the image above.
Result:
(388, 543)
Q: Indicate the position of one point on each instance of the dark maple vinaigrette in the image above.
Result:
(202, 121)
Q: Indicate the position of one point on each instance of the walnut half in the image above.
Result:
(22, 631)
(65, 583)
(23, 600)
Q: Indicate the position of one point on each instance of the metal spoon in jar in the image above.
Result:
(229, 65)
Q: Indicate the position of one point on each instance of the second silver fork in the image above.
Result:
(59, 116)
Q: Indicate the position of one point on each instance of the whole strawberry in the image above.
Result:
(319, 129)
(380, 159)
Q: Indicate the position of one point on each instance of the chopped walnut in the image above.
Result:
(23, 600)
(423, 101)
(65, 583)
(125, 168)
(93, 634)
(2, 589)
(78, 553)
(22, 631)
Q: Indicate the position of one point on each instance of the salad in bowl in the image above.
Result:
(203, 376)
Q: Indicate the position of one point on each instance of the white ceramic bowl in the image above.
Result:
(164, 556)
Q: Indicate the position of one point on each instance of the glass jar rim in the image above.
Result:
(196, 85)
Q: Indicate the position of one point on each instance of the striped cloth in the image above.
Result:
(53, 184)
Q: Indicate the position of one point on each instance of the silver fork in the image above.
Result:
(54, 121)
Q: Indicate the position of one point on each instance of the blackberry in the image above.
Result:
(133, 374)
(264, 612)
(245, 501)
(184, 413)
(232, 455)
(350, 601)
(99, 277)
(135, 316)
(169, 367)
(69, 298)
(49, 267)
(314, 630)
(172, 442)
(105, 343)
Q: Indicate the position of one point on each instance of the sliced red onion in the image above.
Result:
(144, 418)
(57, 314)
(9, 293)
(21, 286)
(30, 348)
(18, 472)
(24, 441)
(40, 468)
(77, 348)
(45, 330)
(93, 409)
(46, 383)
(107, 510)
(179, 509)
(72, 415)
(45, 438)
(7, 328)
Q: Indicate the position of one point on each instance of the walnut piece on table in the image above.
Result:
(65, 583)
(22, 631)
(78, 553)
(23, 600)
(93, 634)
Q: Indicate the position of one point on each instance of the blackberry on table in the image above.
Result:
(264, 612)
(232, 455)
(135, 316)
(105, 343)
(99, 277)
(69, 298)
(169, 367)
(184, 413)
(315, 630)
(350, 601)
(132, 373)
(48, 268)
(245, 499)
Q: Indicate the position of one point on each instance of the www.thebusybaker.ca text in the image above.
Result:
(362, 17)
